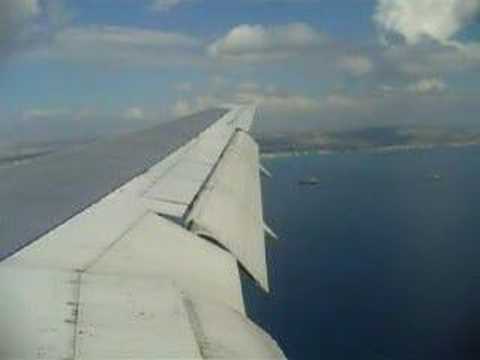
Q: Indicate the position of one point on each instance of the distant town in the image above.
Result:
(370, 138)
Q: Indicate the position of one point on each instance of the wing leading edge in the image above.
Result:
(150, 270)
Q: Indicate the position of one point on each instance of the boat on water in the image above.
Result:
(311, 181)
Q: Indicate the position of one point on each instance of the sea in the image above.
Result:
(380, 260)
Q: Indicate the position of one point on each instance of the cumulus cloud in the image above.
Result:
(273, 98)
(275, 102)
(279, 103)
(46, 113)
(66, 122)
(248, 86)
(166, 5)
(41, 29)
(341, 101)
(114, 45)
(356, 65)
(28, 23)
(191, 105)
(16, 16)
(135, 113)
(183, 107)
(415, 20)
(429, 60)
(184, 87)
(258, 43)
(428, 86)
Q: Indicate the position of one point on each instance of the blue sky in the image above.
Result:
(86, 67)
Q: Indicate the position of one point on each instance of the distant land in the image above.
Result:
(17, 153)
(369, 138)
(274, 144)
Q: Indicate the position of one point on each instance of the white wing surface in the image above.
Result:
(150, 270)
(229, 207)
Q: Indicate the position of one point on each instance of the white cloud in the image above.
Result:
(219, 81)
(184, 87)
(356, 65)
(188, 106)
(248, 86)
(279, 103)
(428, 86)
(183, 108)
(117, 46)
(273, 101)
(416, 20)
(469, 52)
(25, 24)
(258, 43)
(271, 89)
(341, 101)
(15, 18)
(166, 5)
(46, 113)
(433, 59)
(17, 11)
(135, 113)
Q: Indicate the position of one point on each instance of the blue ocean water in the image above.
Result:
(379, 261)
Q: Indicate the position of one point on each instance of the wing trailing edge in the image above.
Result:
(229, 206)
(127, 277)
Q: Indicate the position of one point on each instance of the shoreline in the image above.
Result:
(378, 150)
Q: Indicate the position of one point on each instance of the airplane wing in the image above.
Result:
(131, 248)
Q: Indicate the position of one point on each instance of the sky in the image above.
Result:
(80, 68)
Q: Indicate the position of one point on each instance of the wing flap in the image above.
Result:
(229, 207)
(179, 182)
(243, 340)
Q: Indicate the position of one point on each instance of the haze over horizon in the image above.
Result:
(75, 68)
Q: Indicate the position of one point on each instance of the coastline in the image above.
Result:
(373, 150)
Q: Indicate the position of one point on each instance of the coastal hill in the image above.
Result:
(369, 138)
